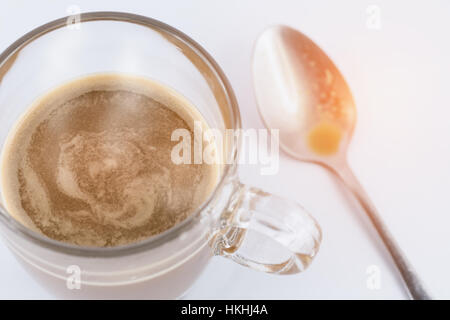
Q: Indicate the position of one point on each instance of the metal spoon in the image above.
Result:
(301, 92)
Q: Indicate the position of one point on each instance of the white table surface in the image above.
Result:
(400, 151)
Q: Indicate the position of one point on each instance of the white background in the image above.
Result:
(399, 76)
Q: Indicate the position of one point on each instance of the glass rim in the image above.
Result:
(152, 241)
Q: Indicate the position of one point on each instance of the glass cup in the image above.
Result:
(249, 226)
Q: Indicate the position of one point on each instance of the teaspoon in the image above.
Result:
(301, 92)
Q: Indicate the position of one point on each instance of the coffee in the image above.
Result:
(90, 162)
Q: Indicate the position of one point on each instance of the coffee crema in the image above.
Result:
(90, 162)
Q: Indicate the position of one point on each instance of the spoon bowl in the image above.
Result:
(300, 91)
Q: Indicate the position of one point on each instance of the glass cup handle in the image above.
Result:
(267, 233)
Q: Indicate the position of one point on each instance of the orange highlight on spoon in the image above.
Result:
(324, 138)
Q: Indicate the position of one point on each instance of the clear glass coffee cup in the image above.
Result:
(253, 228)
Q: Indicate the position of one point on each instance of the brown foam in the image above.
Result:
(90, 164)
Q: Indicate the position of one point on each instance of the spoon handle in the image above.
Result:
(413, 283)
